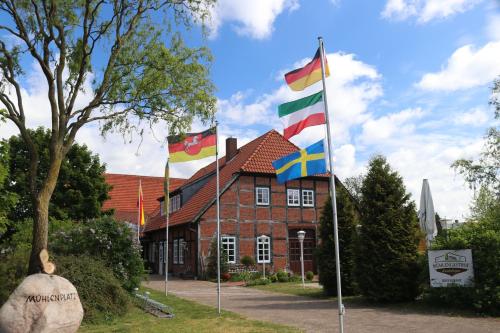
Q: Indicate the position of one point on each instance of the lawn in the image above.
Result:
(293, 288)
(189, 317)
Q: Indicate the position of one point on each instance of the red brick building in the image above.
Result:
(124, 194)
(259, 217)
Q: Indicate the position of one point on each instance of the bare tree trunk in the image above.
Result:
(41, 211)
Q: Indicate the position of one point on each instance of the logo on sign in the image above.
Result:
(451, 264)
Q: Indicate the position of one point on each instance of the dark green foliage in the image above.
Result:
(258, 282)
(273, 277)
(483, 238)
(7, 198)
(99, 290)
(247, 261)
(81, 188)
(282, 276)
(309, 276)
(347, 218)
(386, 265)
(13, 270)
(107, 240)
(212, 260)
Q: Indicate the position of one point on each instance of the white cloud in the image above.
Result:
(425, 10)
(466, 68)
(493, 27)
(389, 126)
(475, 117)
(250, 18)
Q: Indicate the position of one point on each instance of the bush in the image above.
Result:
(273, 278)
(309, 276)
(13, 270)
(294, 278)
(258, 282)
(100, 292)
(483, 238)
(247, 261)
(212, 260)
(107, 240)
(282, 276)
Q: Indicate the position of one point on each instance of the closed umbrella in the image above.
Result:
(426, 213)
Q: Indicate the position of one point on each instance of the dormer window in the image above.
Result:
(175, 203)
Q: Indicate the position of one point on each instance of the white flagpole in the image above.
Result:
(332, 189)
(166, 208)
(218, 210)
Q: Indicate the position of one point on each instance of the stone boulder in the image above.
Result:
(42, 303)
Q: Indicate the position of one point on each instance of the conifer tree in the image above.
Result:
(386, 265)
(347, 218)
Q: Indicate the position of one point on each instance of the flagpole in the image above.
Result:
(166, 208)
(218, 210)
(332, 189)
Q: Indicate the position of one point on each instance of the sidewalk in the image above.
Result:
(315, 315)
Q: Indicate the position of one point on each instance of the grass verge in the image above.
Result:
(293, 288)
(189, 317)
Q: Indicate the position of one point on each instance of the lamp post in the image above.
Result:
(301, 234)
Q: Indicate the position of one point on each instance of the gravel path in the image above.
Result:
(314, 315)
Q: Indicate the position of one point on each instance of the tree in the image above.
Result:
(386, 265)
(353, 185)
(347, 219)
(81, 188)
(7, 198)
(485, 171)
(137, 78)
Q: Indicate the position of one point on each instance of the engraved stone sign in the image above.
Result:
(42, 303)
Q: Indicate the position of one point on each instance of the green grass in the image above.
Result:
(189, 317)
(292, 288)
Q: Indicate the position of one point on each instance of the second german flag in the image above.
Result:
(301, 78)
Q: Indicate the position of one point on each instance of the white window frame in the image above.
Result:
(263, 249)
(182, 246)
(295, 202)
(176, 251)
(229, 245)
(175, 203)
(262, 190)
(305, 202)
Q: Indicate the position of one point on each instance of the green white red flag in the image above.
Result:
(302, 113)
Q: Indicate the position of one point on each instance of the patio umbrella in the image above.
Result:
(426, 213)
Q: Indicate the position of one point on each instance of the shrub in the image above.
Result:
(247, 261)
(212, 260)
(309, 276)
(273, 278)
(225, 276)
(100, 292)
(258, 282)
(483, 238)
(107, 240)
(13, 269)
(282, 276)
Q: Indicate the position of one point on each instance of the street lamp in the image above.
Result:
(301, 234)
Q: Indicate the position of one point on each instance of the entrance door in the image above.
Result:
(294, 250)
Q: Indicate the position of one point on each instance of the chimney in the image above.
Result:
(231, 148)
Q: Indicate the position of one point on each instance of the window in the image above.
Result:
(308, 198)
(176, 251)
(293, 196)
(263, 249)
(162, 208)
(175, 203)
(229, 245)
(179, 246)
(262, 195)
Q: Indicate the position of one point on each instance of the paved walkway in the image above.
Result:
(314, 315)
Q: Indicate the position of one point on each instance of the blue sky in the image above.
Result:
(410, 79)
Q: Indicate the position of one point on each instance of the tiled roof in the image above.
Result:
(123, 195)
(254, 157)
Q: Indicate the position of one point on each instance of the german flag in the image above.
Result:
(191, 146)
(301, 78)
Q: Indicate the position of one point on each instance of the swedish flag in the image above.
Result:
(305, 162)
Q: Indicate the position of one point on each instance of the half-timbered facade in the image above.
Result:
(259, 217)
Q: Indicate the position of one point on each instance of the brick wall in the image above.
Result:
(242, 218)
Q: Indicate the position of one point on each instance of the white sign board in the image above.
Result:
(451, 267)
